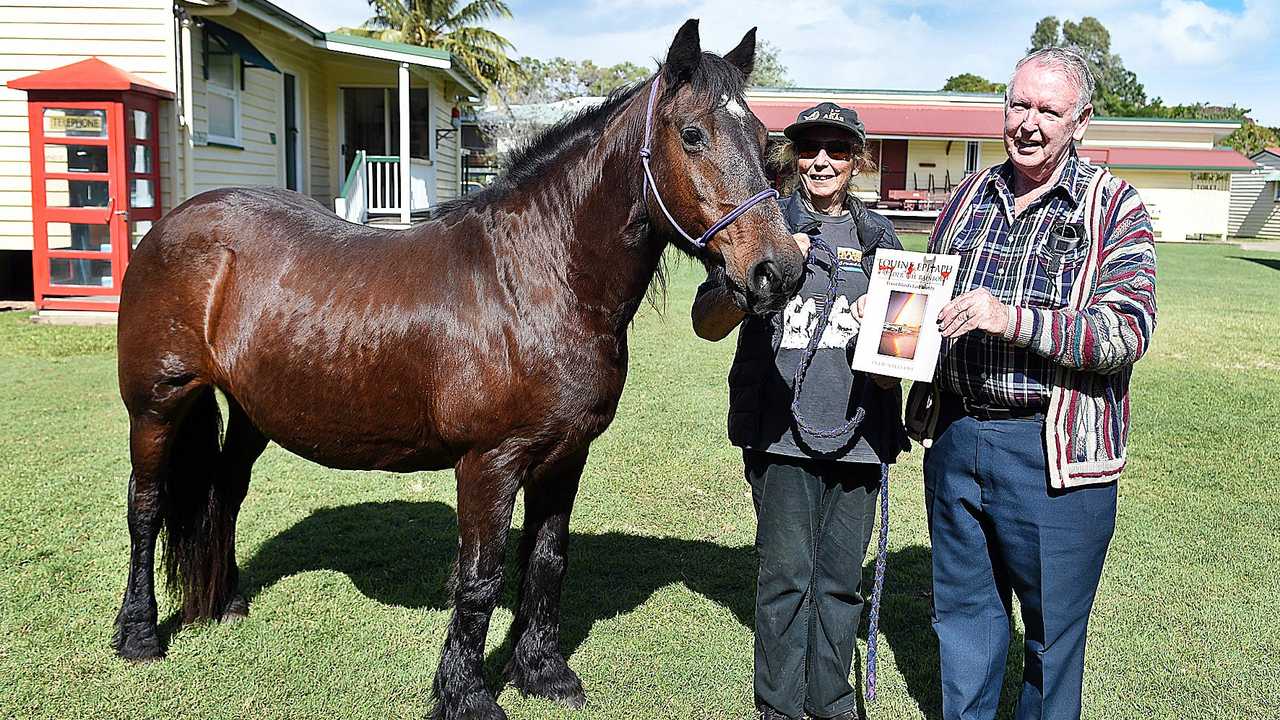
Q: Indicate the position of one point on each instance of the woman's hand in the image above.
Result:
(884, 382)
(802, 241)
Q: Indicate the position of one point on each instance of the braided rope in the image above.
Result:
(817, 244)
(877, 586)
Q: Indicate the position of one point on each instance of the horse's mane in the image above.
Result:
(713, 78)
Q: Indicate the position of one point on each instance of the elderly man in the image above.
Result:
(1029, 412)
(815, 497)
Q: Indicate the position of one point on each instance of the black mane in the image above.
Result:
(713, 78)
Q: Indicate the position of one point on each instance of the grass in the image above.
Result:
(346, 568)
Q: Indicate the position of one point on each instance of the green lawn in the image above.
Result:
(346, 568)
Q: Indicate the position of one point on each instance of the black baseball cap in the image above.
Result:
(828, 115)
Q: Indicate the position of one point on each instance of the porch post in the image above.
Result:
(406, 192)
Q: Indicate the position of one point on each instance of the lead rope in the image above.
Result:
(877, 586)
(882, 548)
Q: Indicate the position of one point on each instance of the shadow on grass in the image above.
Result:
(1272, 263)
(401, 553)
(906, 624)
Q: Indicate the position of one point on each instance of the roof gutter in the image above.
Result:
(209, 8)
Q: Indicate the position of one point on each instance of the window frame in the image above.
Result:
(231, 93)
(972, 149)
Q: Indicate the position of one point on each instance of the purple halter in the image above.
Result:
(645, 154)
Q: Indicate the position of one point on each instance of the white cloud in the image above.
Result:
(1190, 32)
(1182, 50)
(327, 15)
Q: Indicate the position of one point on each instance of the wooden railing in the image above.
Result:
(352, 204)
(382, 180)
(373, 187)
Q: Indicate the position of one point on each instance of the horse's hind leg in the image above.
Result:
(149, 443)
(537, 666)
(173, 428)
(241, 447)
(487, 486)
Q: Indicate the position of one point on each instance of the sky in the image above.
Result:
(1183, 51)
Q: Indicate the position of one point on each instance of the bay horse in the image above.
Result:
(491, 338)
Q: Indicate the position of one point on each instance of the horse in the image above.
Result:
(491, 338)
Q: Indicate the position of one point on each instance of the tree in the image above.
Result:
(447, 25)
(1252, 137)
(560, 79)
(769, 70)
(1117, 90)
(1045, 35)
(601, 81)
(968, 82)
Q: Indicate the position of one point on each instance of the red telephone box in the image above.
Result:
(95, 179)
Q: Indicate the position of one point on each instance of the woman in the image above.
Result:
(814, 497)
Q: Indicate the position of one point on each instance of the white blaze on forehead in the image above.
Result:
(734, 107)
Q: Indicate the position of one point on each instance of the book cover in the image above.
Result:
(899, 335)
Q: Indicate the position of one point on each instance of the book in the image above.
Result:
(899, 335)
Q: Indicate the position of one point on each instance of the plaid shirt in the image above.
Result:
(1024, 261)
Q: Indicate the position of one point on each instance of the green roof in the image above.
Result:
(879, 91)
(391, 46)
(1214, 121)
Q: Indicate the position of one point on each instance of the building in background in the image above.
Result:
(1255, 198)
(925, 143)
(224, 92)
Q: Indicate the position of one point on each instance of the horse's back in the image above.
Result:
(296, 314)
(216, 246)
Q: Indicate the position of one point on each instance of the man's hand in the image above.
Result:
(974, 310)
(860, 306)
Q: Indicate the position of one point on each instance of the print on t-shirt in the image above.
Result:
(801, 315)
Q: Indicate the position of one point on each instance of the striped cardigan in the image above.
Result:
(1095, 340)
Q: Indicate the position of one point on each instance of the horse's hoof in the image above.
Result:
(236, 609)
(137, 643)
(549, 677)
(476, 706)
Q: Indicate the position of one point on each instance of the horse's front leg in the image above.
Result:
(537, 666)
(487, 485)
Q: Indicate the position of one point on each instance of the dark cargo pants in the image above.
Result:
(813, 523)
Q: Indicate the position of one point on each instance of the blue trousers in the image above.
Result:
(997, 528)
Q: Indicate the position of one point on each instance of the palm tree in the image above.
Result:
(443, 25)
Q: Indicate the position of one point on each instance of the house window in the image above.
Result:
(222, 92)
(971, 158)
(1277, 184)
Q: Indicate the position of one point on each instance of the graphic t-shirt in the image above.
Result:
(770, 348)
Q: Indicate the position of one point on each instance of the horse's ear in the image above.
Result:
(744, 56)
(685, 52)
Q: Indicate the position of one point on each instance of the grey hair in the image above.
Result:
(1068, 62)
(781, 158)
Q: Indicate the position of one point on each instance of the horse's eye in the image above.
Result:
(691, 136)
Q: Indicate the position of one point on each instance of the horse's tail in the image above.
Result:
(199, 527)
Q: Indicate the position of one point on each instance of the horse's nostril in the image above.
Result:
(766, 277)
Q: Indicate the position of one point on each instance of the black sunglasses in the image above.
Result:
(839, 150)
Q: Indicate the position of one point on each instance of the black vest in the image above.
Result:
(769, 349)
